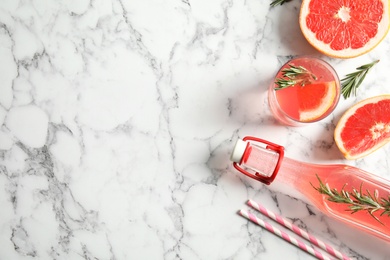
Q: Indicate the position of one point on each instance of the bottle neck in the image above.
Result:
(292, 177)
(260, 160)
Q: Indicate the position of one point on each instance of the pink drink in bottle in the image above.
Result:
(265, 161)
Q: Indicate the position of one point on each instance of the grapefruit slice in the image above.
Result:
(315, 100)
(364, 127)
(344, 29)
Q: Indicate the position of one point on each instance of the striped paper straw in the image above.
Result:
(283, 235)
(315, 241)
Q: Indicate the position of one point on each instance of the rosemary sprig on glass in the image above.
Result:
(278, 2)
(356, 199)
(352, 81)
(294, 75)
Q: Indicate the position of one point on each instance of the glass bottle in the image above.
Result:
(264, 161)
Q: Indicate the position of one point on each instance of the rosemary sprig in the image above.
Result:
(356, 199)
(278, 2)
(294, 75)
(352, 81)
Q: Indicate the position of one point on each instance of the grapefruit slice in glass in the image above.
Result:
(344, 29)
(364, 128)
(315, 100)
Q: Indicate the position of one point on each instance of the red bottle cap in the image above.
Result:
(242, 150)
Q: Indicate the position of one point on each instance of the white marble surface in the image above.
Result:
(117, 119)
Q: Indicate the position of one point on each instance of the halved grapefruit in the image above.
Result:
(344, 28)
(364, 127)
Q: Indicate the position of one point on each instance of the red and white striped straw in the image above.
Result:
(283, 235)
(315, 241)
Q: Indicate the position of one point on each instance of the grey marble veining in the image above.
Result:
(117, 119)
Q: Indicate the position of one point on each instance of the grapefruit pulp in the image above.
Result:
(344, 28)
(364, 127)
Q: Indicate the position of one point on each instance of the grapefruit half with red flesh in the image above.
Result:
(364, 127)
(344, 28)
